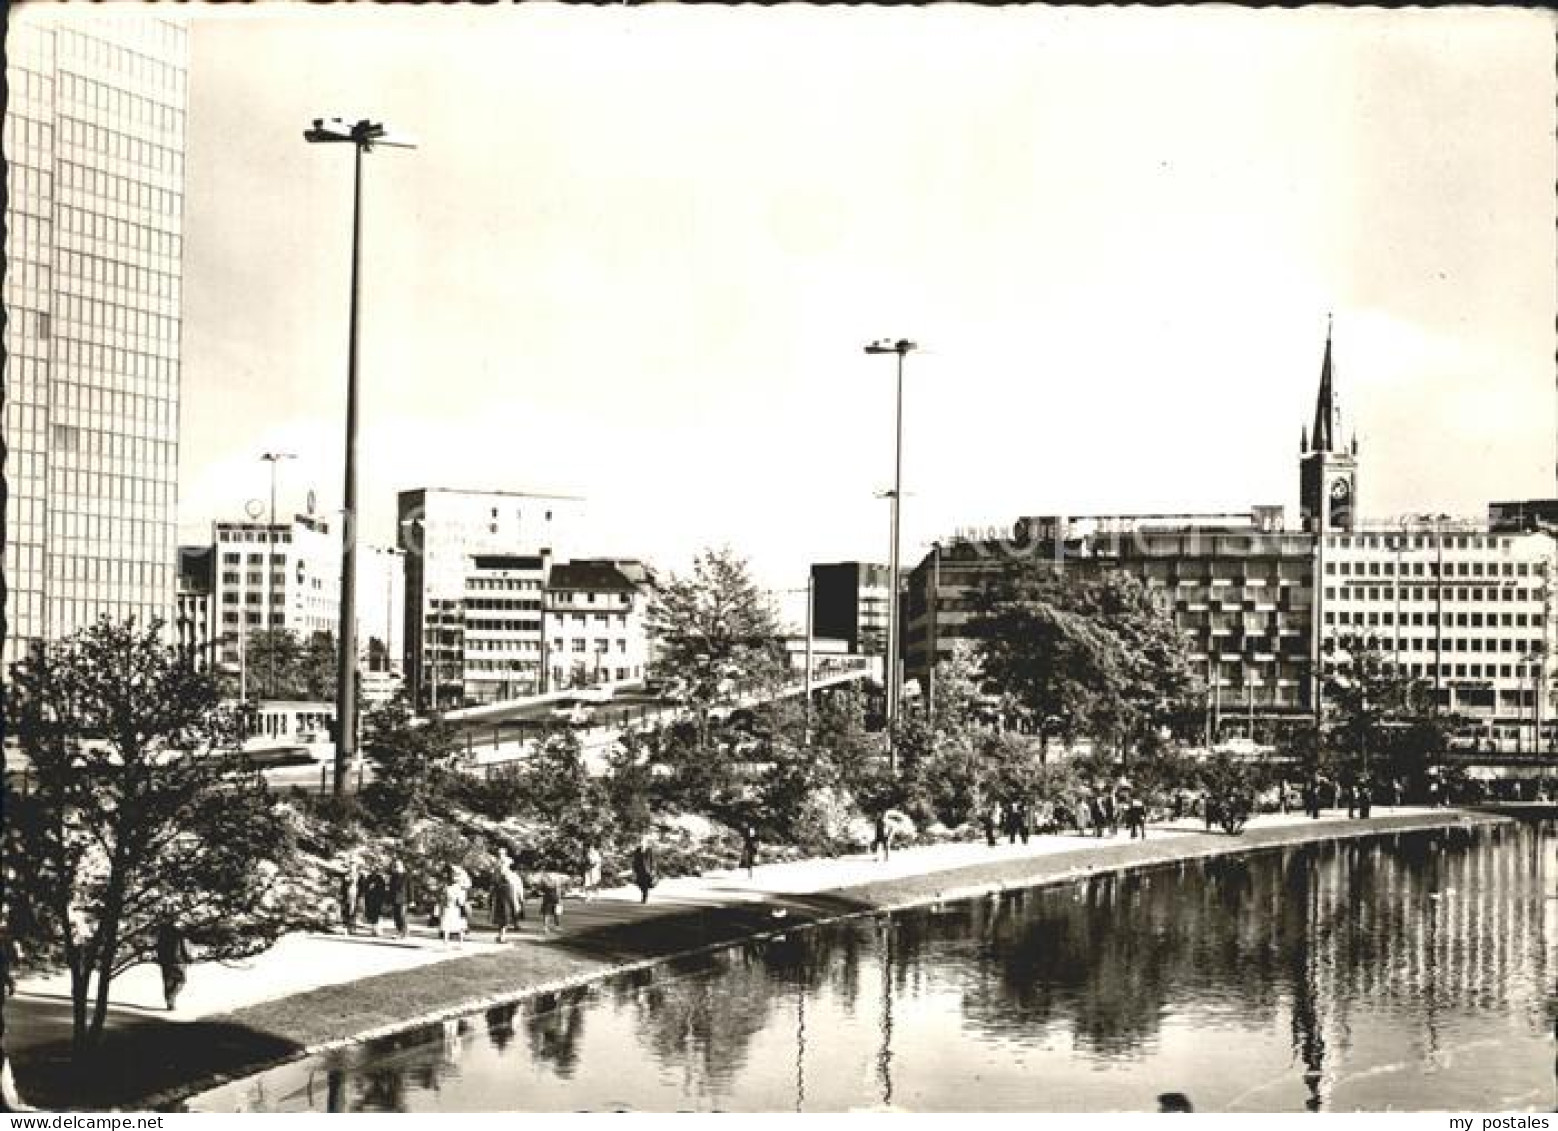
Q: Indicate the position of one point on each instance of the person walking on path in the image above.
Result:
(549, 890)
(883, 839)
(987, 820)
(1095, 813)
(173, 959)
(592, 867)
(508, 897)
(1111, 812)
(1365, 800)
(453, 910)
(398, 893)
(1136, 818)
(748, 849)
(373, 892)
(1083, 816)
(351, 896)
(645, 875)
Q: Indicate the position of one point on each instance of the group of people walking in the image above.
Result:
(367, 896)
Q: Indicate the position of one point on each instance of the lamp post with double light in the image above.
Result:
(900, 347)
(362, 136)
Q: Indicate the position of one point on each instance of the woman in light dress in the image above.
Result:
(452, 919)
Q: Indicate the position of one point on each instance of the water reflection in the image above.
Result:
(1412, 970)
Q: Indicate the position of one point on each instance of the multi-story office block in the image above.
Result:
(1465, 605)
(94, 144)
(1239, 587)
(277, 577)
(849, 603)
(442, 532)
(502, 643)
(596, 614)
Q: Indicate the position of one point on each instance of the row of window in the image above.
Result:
(503, 645)
(579, 675)
(159, 34)
(117, 273)
(1431, 569)
(87, 485)
(476, 624)
(1431, 620)
(498, 603)
(1432, 593)
(120, 233)
(502, 666)
(566, 596)
(121, 104)
(111, 571)
(601, 646)
(503, 584)
(1419, 541)
(149, 371)
(93, 312)
(112, 402)
(110, 190)
(139, 452)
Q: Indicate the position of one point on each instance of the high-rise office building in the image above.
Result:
(94, 143)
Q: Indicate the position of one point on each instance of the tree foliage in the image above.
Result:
(416, 765)
(716, 635)
(1085, 653)
(282, 665)
(140, 815)
(1379, 719)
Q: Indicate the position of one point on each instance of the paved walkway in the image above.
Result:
(303, 962)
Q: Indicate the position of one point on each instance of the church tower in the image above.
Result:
(1327, 467)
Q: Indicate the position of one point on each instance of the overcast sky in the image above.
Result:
(639, 249)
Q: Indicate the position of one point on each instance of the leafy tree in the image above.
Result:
(1379, 718)
(716, 635)
(273, 656)
(140, 818)
(317, 667)
(1230, 786)
(416, 766)
(574, 807)
(1084, 653)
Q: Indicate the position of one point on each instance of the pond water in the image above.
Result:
(1412, 972)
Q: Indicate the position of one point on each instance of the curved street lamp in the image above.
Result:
(362, 136)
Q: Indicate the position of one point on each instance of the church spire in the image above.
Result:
(1322, 436)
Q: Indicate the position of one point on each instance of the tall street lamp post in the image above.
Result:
(362, 136)
(894, 628)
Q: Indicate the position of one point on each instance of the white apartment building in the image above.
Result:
(1464, 605)
(596, 624)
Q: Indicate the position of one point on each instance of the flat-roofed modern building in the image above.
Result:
(1465, 605)
(94, 143)
(442, 532)
(1239, 586)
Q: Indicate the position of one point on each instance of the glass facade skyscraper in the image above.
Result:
(94, 141)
